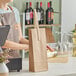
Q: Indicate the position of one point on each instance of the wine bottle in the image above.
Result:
(75, 27)
(74, 42)
(38, 11)
(49, 17)
(42, 14)
(74, 30)
(27, 14)
(31, 13)
(52, 12)
(48, 14)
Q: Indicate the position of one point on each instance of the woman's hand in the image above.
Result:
(15, 46)
(26, 47)
(24, 41)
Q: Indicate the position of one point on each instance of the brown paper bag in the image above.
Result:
(37, 48)
(49, 35)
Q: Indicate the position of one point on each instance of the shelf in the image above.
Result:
(57, 12)
(29, 26)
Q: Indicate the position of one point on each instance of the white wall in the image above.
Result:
(68, 15)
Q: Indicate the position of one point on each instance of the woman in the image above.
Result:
(10, 16)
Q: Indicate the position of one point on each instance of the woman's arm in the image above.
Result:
(24, 41)
(21, 39)
(18, 26)
(15, 46)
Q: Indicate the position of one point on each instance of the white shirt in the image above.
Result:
(16, 12)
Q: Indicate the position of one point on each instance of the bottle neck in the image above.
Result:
(75, 27)
(48, 5)
(37, 5)
(26, 5)
(40, 4)
(30, 4)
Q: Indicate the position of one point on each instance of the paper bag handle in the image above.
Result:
(36, 23)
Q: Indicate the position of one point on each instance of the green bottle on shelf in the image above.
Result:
(74, 42)
(74, 29)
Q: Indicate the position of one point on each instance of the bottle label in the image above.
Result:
(52, 15)
(31, 15)
(49, 16)
(28, 22)
(39, 15)
(27, 16)
(42, 16)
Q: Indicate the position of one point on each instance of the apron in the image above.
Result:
(9, 19)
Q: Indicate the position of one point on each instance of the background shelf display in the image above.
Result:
(44, 25)
(56, 4)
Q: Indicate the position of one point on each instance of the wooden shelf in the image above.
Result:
(29, 26)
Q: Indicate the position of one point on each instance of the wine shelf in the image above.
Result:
(44, 26)
(57, 15)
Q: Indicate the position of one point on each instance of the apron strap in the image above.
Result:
(2, 16)
(10, 7)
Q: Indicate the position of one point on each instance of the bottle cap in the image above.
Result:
(26, 3)
(30, 3)
(48, 4)
(41, 4)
